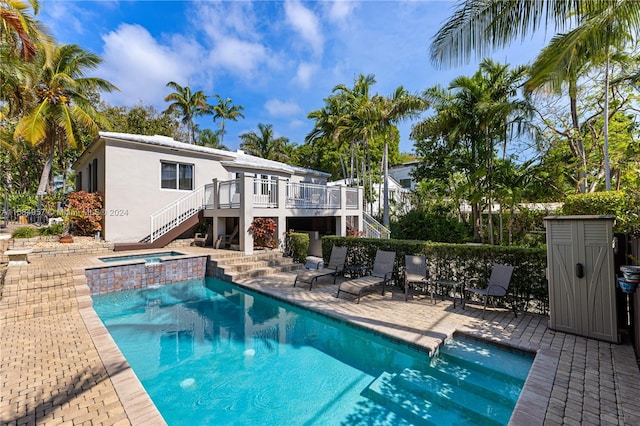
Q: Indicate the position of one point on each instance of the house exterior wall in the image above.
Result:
(129, 175)
(402, 174)
(96, 156)
(133, 191)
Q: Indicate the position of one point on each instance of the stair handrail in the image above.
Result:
(176, 212)
(373, 228)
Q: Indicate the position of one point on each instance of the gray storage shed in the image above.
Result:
(582, 280)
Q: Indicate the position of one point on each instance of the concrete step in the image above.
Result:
(259, 272)
(241, 267)
(241, 258)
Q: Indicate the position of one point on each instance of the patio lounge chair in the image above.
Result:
(336, 266)
(498, 286)
(416, 272)
(225, 241)
(200, 239)
(382, 273)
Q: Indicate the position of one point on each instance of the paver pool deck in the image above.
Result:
(59, 365)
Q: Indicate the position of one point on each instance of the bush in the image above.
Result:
(431, 225)
(55, 229)
(85, 211)
(299, 246)
(263, 229)
(457, 262)
(623, 206)
(25, 232)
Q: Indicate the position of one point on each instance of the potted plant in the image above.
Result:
(630, 276)
(65, 236)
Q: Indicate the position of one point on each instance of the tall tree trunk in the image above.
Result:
(607, 171)
(385, 214)
(7, 165)
(477, 222)
(579, 145)
(501, 227)
(46, 170)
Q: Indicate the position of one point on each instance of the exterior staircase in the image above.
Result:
(373, 228)
(240, 266)
(171, 221)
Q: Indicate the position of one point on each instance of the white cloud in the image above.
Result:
(277, 108)
(231, 37)
(340, 10)
(304, 74)
(141, 67)
(305, 23)
(237, 55)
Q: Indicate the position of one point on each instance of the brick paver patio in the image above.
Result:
(59, 365)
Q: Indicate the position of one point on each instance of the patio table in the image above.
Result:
(455, 286)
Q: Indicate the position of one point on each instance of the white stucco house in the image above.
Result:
(156, 189)
(401, 173)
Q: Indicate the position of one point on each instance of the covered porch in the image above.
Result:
(235, 203)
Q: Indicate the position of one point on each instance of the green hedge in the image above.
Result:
(458, 262)
(625, 207)
(299, 246)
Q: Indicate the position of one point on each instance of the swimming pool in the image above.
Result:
(148, 257)
(208, 352)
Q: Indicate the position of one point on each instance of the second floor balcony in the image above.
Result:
(280, 194)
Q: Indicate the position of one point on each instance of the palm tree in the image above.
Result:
(387, 111)
(211, 139)
(331, 127)
(597, 27)
(21, 37)
(20, 34)
(475, 115)
(225, 110)
(264, 144)
(63, 104)
(189, 104)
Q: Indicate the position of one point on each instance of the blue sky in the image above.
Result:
(279, 59)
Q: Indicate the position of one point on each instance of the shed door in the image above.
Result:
(584, 306)
(562, 257)
(599, 280)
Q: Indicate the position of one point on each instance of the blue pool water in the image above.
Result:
(208, 352)
(149, 257)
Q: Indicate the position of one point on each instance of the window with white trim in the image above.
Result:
(176, 176)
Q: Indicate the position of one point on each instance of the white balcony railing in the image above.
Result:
(352, 198)
(229, 194)
(312, 196)
(264, 193)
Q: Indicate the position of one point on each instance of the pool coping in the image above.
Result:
(530, 408)
(135, 400)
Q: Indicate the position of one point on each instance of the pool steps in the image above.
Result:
(252, 266)
(455, 383)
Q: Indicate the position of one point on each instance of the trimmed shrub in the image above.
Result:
(299, 246)
(461, 262)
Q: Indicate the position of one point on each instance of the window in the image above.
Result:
(176, 176)
(94, 182)
(79, 181)
(405, 183)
